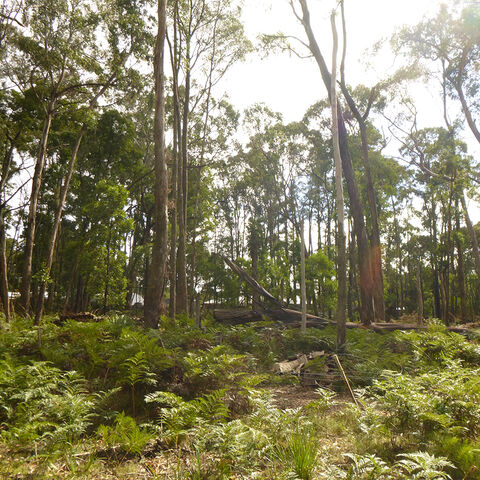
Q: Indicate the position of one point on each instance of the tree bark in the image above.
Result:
(460, 268)
(340, 314)
(177, 156)
(182, 287)
(253, 250)
(375, 245)
(419, 294)
(32, 211)
(473, 238)
(303, 287)
(155, 286)
(3, 268)
(466, 110)
(366, 283)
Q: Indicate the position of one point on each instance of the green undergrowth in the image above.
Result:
(111, 399)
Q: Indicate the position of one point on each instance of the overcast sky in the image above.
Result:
(289, 85)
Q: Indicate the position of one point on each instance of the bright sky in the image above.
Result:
(289, 85)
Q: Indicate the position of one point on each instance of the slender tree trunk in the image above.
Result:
(3, 268)
(253, 247)
(303, 287)
(177, 156)
(351, 277)
(130, 271)
(340, 315)
(460, 268)
(366, 283)
(173, 229)
(182, 287)
(56, 224)
(466, 110)
(155, 285)
(473, 238)
(4, 176)
(32, 211)
(62, 199)
(436, 282)
(419, 294)
(376, 250)
(202, 159)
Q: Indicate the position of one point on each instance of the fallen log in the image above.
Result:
(236, 317)
(284, 315)
(389, 327)
(79, 317)
(252, 282)
(293, 366)
(293, 317)
(287, 315)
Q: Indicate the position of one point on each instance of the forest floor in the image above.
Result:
(112, 400)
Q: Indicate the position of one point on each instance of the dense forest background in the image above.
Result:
(77, 210)
(135, 198)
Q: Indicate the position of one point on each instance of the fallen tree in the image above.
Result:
(292, 318)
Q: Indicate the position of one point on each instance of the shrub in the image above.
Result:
(41, 404)
(125, 434)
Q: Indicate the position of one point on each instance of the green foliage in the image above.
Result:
(300, 453)
(437, 346)
(125, 434)
(42, 404)
(421, 418)
(213, 368)
(422, 466)
(178, 416)
(436, 404)
(411, 466)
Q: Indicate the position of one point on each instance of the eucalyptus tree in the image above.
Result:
(340, 314)
(51, 55)
(366, 280)
(125, 39)
(449, 46)
(208, 38)
(92, 238)
(443, 169)
(155, 286)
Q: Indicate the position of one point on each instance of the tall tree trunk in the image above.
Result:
(61, 202)
(366, 283)
(253, 244)
(3, 268)
(156, 281)
(32, 211)
(375, 245)
(351, 276)
(460, 267)
(130, 271)
(173, 227)
(107, 272)
(473, 238)
(466, 109)
(4, 176)
(201, 161)
(340, 315)
(182, 287)
(434, 260)
(303, 282)
(177, 156)
(419, 294)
